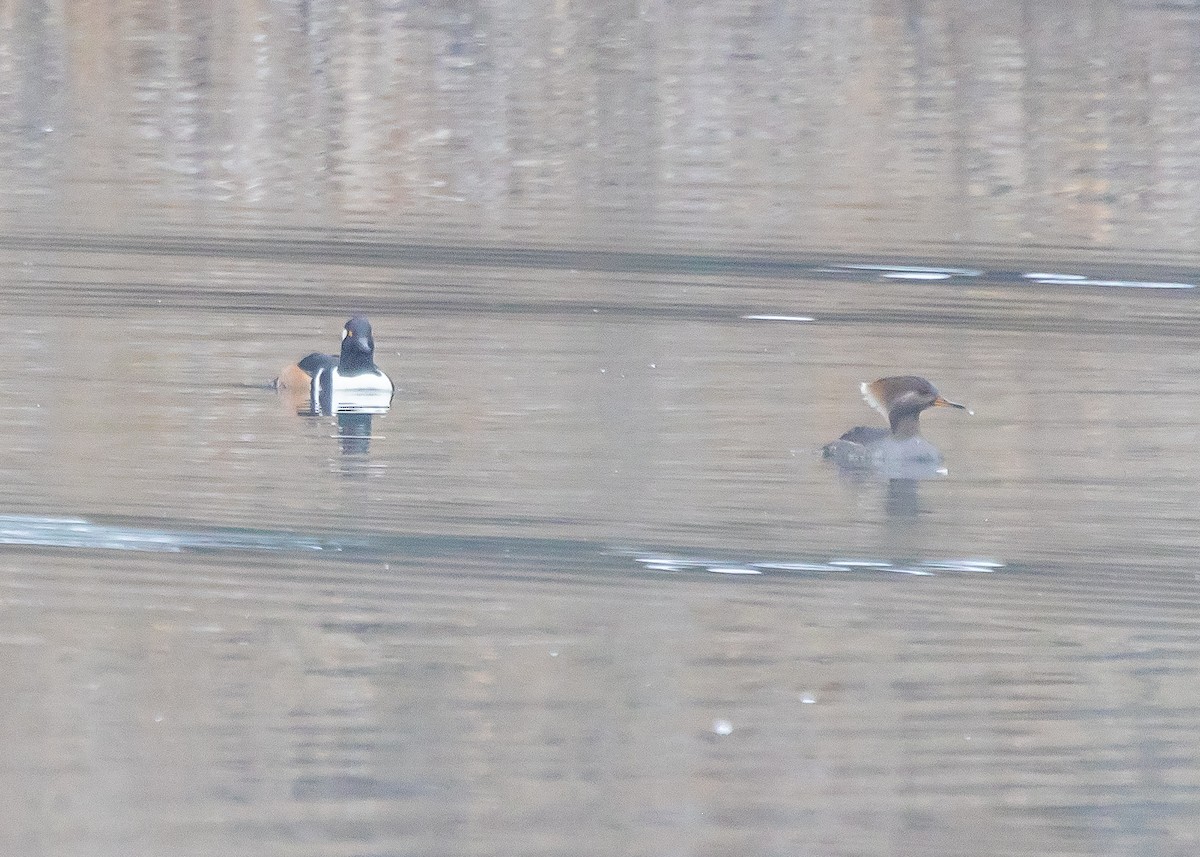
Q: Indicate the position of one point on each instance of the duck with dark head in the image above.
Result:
(349, 382)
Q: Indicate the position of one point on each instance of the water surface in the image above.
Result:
(589, 586)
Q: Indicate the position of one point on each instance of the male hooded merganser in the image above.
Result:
(350, 381)
(901, 399)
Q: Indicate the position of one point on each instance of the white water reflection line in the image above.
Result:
(33, 531)
(913, 271)
(916, 275)
(1048, 279)
(74, 532)
(45, 531)
(768, 317)
(919, 568)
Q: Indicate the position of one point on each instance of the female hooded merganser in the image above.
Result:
(348, 382)
(901, 399)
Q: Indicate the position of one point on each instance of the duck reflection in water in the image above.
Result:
(354, 433)
(899, 451)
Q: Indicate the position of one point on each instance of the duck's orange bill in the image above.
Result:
(939, 402)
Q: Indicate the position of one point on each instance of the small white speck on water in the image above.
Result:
(722, 727)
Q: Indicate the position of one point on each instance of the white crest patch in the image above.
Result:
(869, 398)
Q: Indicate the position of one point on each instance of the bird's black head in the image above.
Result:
(358, 346)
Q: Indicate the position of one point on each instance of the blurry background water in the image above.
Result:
(589, 587)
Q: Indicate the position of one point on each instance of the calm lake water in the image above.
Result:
(589, 587)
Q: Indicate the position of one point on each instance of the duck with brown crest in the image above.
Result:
(900, 398)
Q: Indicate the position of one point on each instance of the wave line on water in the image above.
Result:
(82, 533)
(919, 568)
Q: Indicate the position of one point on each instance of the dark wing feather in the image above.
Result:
(315, 362)
(865, 434)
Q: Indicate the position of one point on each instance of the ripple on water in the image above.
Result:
(926, 567)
